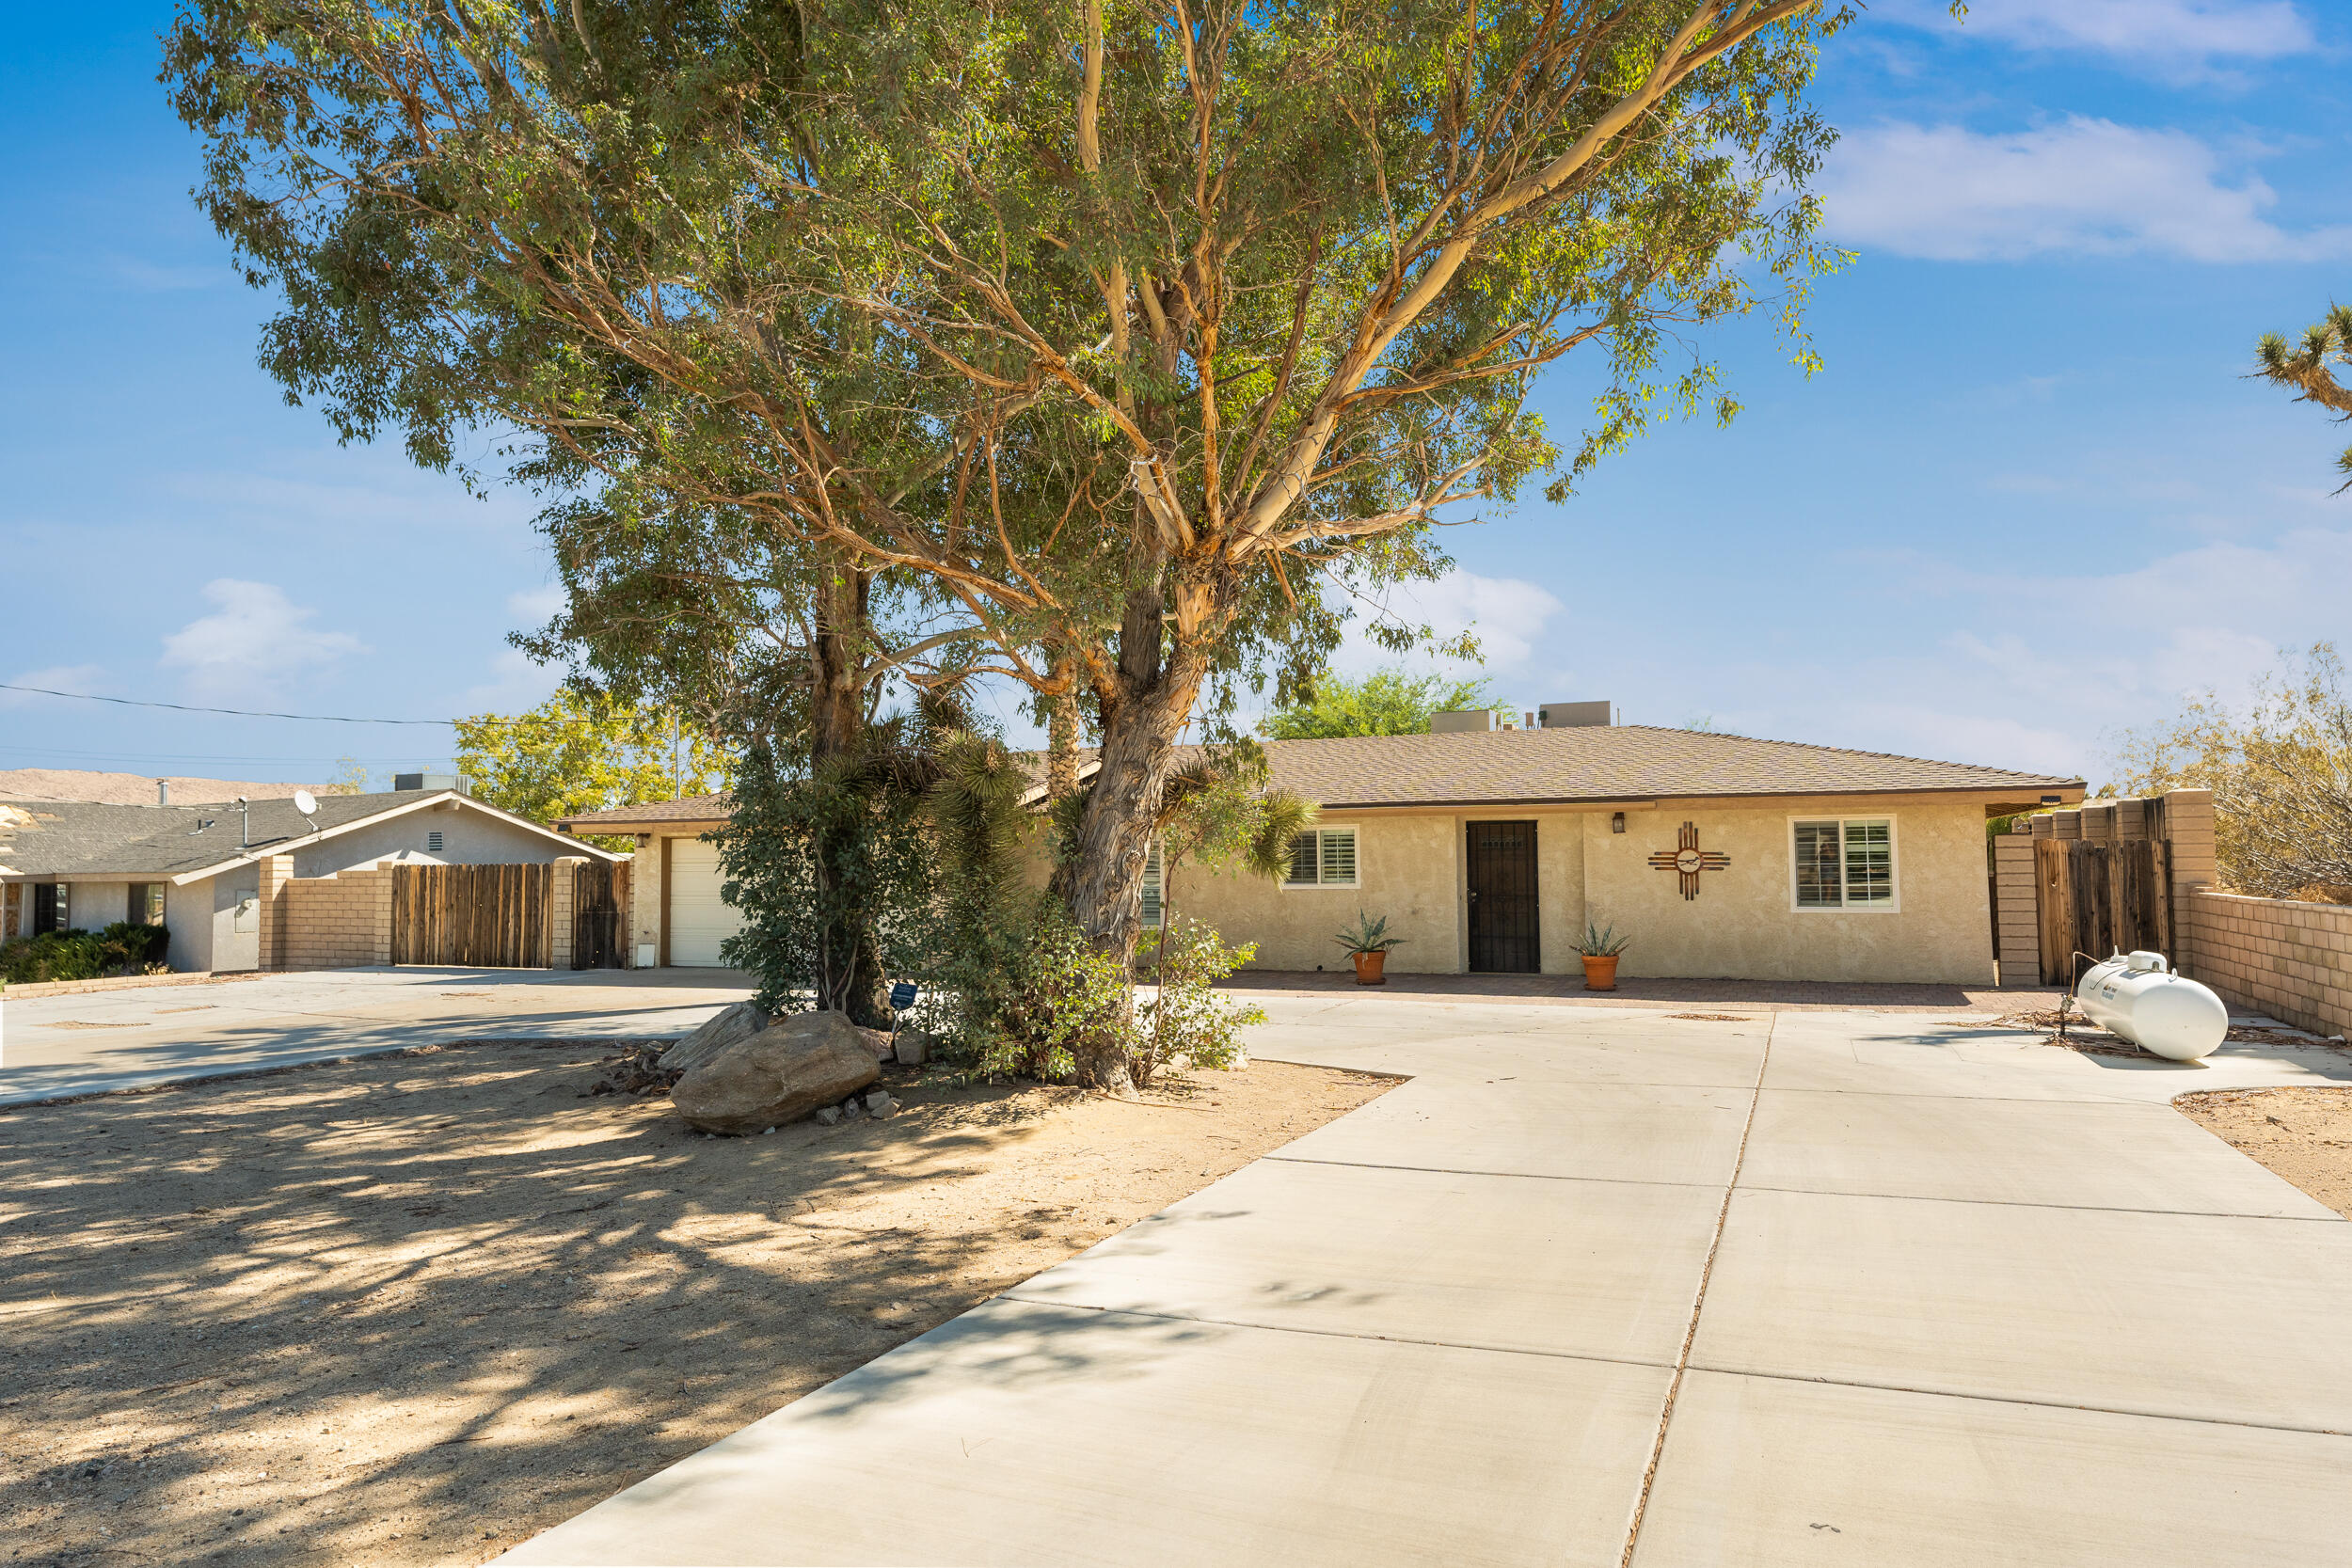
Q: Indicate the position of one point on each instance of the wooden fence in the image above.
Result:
(471, 916)
(598, 889)
(2099, 897)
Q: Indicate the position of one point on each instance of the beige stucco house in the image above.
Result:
(1719, 856)
(1490, 850)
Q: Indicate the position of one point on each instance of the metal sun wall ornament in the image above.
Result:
(1689, 859)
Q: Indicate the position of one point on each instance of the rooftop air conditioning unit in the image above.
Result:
(457, 781)
(1475, 721)
(1569, 716)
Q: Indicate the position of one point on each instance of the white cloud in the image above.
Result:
(534, 606)
(2079, 186)
(1505, 614)
(2169, 38)
(81, 678)
(256, 643)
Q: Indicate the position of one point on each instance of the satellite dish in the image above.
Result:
(306, 802)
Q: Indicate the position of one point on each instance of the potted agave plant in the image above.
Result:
(1368, 944)
(1601, 949)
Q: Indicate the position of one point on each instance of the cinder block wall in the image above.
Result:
(2016, 936)
(2275, 956)
(338, 922)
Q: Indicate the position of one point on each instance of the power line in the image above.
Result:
(250, 713)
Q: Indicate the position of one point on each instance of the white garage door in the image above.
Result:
(699, 919)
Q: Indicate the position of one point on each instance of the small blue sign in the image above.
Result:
(902, 996)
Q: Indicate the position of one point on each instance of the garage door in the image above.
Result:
(699, 919)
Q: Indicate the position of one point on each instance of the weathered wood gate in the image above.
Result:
(2098, 896)
(471, 916)
(596, 914)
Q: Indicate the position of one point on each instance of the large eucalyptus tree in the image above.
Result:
(1123, 330)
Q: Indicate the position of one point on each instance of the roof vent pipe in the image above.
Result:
(163, 792)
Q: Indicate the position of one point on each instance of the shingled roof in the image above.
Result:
(1611, 762)
(1499, 768)
(43, 838)
(652, 814)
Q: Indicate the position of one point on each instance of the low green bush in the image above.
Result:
(126, 947)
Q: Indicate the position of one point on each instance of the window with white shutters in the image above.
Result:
(1843, 862)
(1322, 857)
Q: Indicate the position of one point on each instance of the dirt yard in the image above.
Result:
(2304, 1136)
(413, 1309)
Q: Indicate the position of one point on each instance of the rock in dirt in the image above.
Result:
(728, 1026)
(829, 1115)
(915, 1047)
(878, 1041)
(778, 1075)
(879, 1103)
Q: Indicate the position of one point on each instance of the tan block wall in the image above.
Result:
(2017, 940)
(1741, 925)
(277, 872)
(2274, 955)
(559, 897)
(337, 921)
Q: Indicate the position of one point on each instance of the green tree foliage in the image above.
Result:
(1387, 702)
(580, 752)
(2280, 772)
(1108, 328)
(2306, 367)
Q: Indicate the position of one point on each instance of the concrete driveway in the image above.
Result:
(65, 1045)
(1601, 1287)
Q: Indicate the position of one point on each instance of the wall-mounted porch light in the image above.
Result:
(1616, 822)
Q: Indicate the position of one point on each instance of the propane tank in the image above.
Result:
(2136, 996)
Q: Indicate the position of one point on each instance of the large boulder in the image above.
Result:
(725, 1027)
(780, 1074)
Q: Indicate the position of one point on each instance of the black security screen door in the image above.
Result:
(1503, 929)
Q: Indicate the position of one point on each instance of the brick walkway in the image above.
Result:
(1780, 996)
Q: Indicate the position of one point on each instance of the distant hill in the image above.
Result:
(129, 789)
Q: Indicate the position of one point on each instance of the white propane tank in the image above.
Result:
(2136, 996)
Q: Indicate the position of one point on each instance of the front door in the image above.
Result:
(1503, 912)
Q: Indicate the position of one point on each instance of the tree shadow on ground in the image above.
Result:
(411, 1309)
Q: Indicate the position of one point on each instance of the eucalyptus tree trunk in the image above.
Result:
(851, 980)
(1155, 697)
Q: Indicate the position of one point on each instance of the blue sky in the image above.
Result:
(2030, 499)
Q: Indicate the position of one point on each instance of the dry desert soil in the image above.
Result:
(2303, 1135)
(412, 1309)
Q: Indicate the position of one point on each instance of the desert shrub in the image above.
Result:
(55, 955)
(140, 943)
(1188, 1022)
(834, 873)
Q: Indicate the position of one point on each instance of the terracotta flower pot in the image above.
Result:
(1601, 974)
(1368, 967)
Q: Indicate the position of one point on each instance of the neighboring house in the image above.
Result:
(676, 916)
(1489, 850)
(197, 869)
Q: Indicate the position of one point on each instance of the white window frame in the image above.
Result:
(1357, 859)
(1894, 862)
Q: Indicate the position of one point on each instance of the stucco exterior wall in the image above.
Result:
(1409, 868)
(469, 837)
(1740, 926)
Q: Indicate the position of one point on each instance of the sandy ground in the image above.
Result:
(2304, 1136)
(412, 1309)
